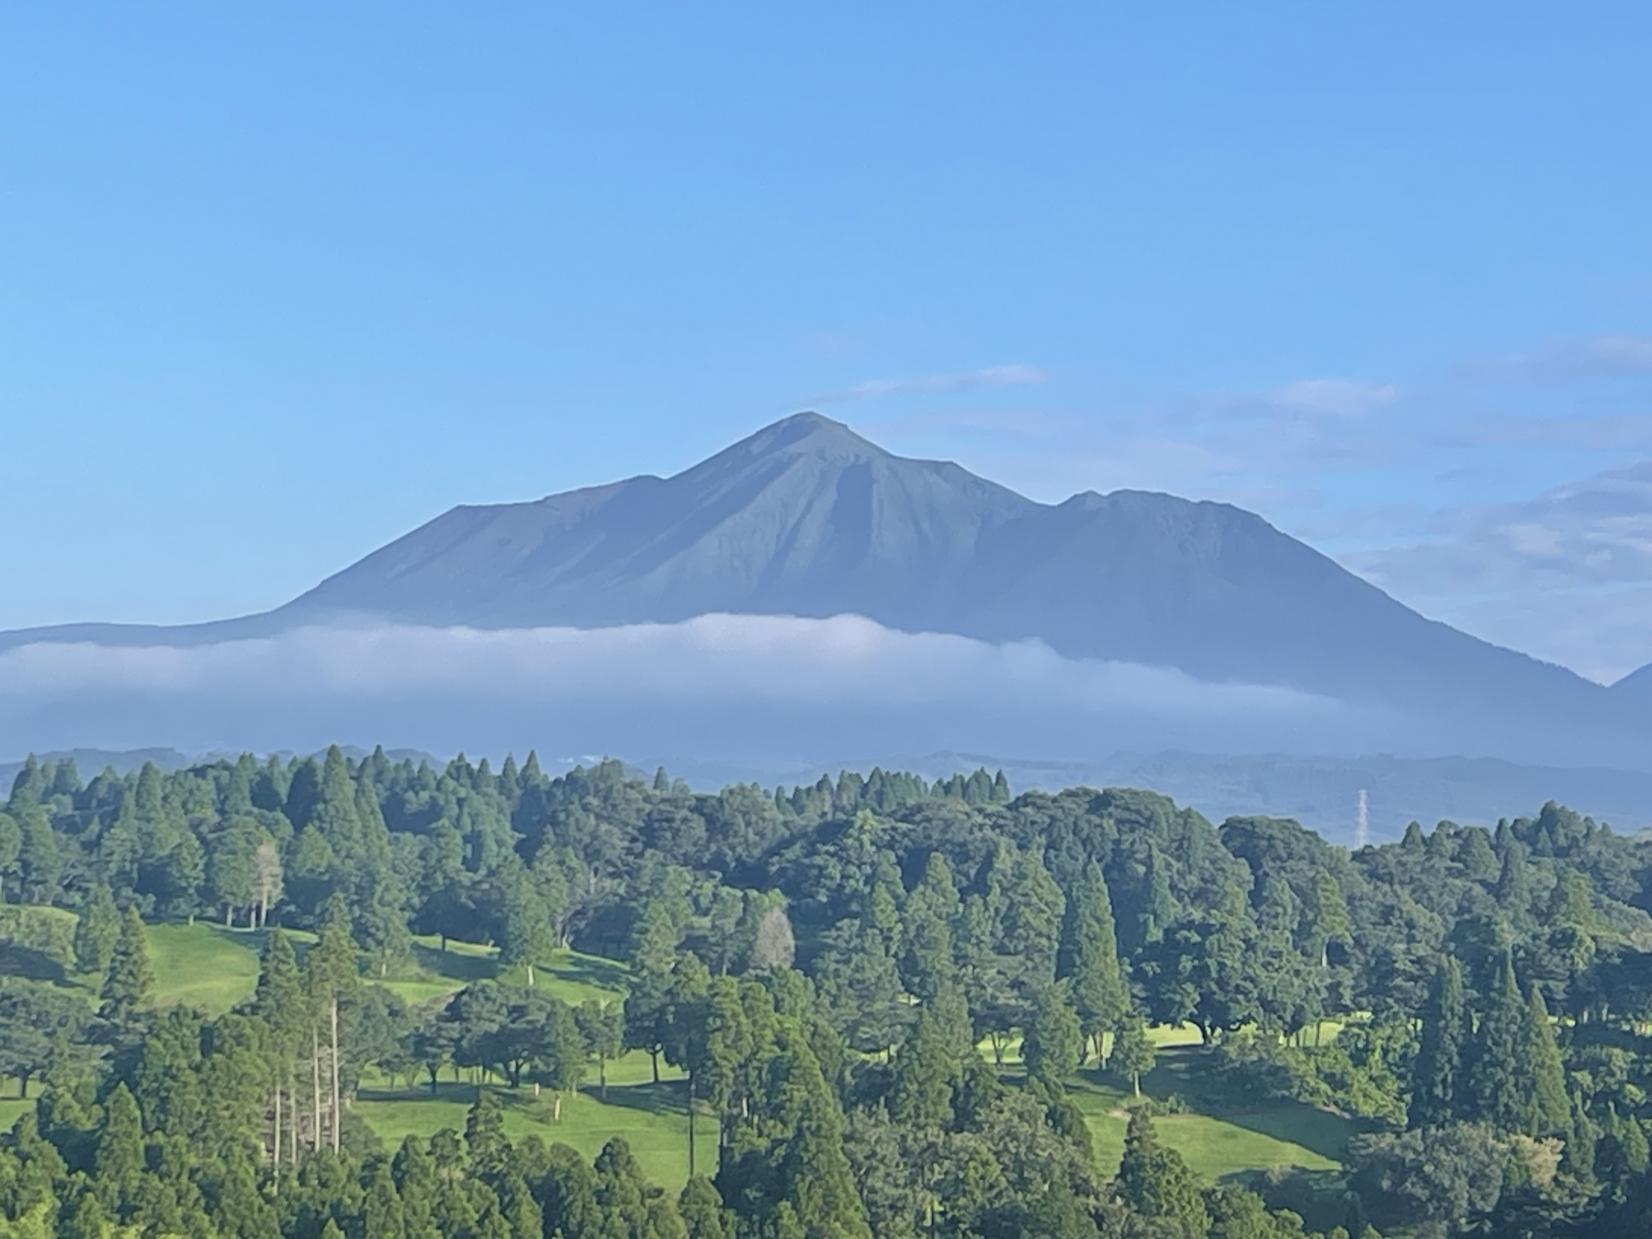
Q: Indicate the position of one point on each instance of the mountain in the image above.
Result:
(1636, 686)
(806, 518)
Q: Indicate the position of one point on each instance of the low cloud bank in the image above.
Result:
(708, 683)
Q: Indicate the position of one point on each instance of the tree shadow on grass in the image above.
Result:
(592, 970)
(451, 964)
(18, 960)
(666, 1097)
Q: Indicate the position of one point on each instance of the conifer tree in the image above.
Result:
(331, 975)
(1156, 1183)
(118, 1164)
(701, 1210)
(1437, 1075)
(1549, 1112)
(1498, 1074)
(280, 1004)
(97, 930)
(130, 980)
(1133, 1051)
(1089, 958)
(1052, 1039)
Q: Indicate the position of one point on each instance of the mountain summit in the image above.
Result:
(807, 518)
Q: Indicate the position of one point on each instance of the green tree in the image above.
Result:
(1089, 958)
(701, 1209)
(1155, 1182)
(1437, 1074)
(118, 1165)
(1498, 1075)
(1549, 1113)
(561, 1055)
(1133, 1051)
(130, 980)
(97, 930)
(331, 975)
(1052, 1040)
(528, 937)
(602, 1024)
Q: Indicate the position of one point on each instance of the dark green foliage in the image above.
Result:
(131, 979)
(1089, 959)
(1446, 1039)
(1053, 1039)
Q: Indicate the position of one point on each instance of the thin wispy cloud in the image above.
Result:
(954, 383)
(1333, 397)
(1612, 354)
(1563, 574)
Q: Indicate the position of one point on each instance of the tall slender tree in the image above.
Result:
(1437, 1075)
(1089, 959)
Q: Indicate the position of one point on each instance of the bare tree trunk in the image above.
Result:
(292, 1118)
(333, 1011)
(315, 1081)
(275, 1145)
(691, 1124)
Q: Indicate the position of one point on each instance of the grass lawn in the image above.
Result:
(650, 1116)
(1218, 1140)
(11, 1109)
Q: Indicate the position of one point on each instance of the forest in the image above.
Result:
(881, 1007)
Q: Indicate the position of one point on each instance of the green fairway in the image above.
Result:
(204, 966)
(650, 1117)
(1217, 1140)
(11, 1109)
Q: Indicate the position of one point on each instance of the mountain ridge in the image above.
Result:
(805, 517)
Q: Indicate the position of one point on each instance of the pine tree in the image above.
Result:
(96, 931)
(1514, 882)
(931, 909)
(131, 979)
(280, 1004)
(118, 1164)
(1052, 1039)
(485, 1135)
(701, 1210)
(1437, 1075)
(1499, 1074)
(331, 975)
(1133, 1051)
(1089, 958)
(1156, 1183)
(1549, 1112)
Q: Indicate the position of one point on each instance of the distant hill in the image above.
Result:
(1320, 792)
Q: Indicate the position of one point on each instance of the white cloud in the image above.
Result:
(1017, 375)
(714, 657)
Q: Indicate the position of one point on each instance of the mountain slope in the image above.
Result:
(807, 518)
(1636, 686)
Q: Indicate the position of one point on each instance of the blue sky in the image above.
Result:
(273, 291)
